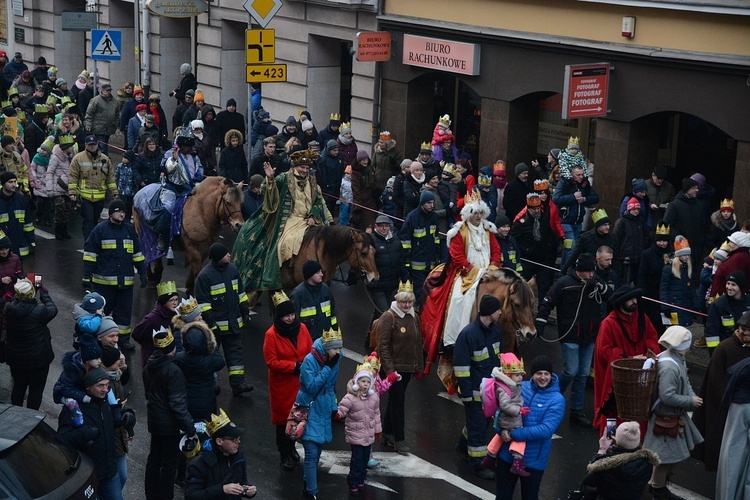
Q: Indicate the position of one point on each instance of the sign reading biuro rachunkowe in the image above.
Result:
(444, 55)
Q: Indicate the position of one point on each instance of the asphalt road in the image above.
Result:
(434, 420)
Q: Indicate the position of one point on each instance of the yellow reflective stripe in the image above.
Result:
(406, 244)
(89, 256)
(419, 232)
(334, 321)
(23, 251)
(462, 371)
(223, 325)
(480, 355)
(235, 286)
(325, 307)
(219, 289)
(129, 280)
(92, 194)
(205, 307)
(477, 451)
(236, 371)
(496, 348)
(123, 330)
(306, 312)
(433, 229)
(112, 186)
(4, 217)
(20, 215)
(109, 244)
(243, 297)
(102, 280)
(712, 341)
(138, 257)
(419, 266)
(28, 228)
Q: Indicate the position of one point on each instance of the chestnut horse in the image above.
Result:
(213, 202)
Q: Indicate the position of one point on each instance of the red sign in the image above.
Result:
(374, 46)
(585, 90)
(443, 55)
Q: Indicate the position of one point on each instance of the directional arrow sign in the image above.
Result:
(260, 73)
(585, 90)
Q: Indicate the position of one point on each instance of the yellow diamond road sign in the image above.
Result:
(262, 73)
(260, 46)
(262, 10)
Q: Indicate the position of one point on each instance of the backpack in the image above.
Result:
(488, 393)
(374, 330)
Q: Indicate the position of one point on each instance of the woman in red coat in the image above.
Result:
(286, 344)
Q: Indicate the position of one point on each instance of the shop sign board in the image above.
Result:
(443, 55)
(373, 46)
(177, 8)
(585, 90)
(78, 21)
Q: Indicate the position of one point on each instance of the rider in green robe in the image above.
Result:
(292, 202)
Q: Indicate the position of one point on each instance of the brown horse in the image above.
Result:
(330, 246)
(213, 202)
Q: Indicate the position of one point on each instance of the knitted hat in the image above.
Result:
(390, 182)
(488, 305)
(24, 289)
(89, 348)
(660, 171)
(41, 60)
(310, 267)
(216, 252)
(282, 305)
(94, 376)
(628, 435)
(108, 326)
(346, 128)
(740, 239)
(263, 114)
(332, 144)
(7, 177)
(502, 220)
(199, 96)
(555, 153)
(739, 278)
(7, 140)
(700, 179)
(744, 320)
(130, 155)
(110, 355)
(196, 124)
(676, 337)
(47, 145)
(426, 197)
(585, 263)
(633, 203)
(291, 121)
(721, 255)
(362, 155)
(681, 246)
(140, 107)
(92, 302)
(307, 125)
(364, 371)
(639, 186)
(521, 168)
(256, 180)
(231, 102)
(190, 92)
(117, 206)
(540, 363)
(4, 240)
(688, 183)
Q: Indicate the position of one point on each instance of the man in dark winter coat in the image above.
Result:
(686, 216)
(289, 130)
(331, 132)
(268, 156)
(726, 309)
(386, 160)
(508, 244)
(421, 242)
(577, 296)
(28, 342)
(166, 403)
(572, 196)
(314, 302)
(330, 173)
(514, 198)
(390, 263)
(536, 239)
(632, 235)
(649, 275)
(253, 196)
(591, 240)
(230, 119)
(181, 109)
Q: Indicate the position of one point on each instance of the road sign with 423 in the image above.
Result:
(261, 73)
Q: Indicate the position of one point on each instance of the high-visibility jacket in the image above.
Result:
(420, 240)
(315, 307)
(90, 177)
(110, 253)
(17, 223)
(223, 306)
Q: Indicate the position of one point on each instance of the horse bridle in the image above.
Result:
(513, 319)
(356, 252)
(229, 211)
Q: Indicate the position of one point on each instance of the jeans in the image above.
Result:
(358, 465)
(394, 419)
(90, 213)
(122, 469)
(312, 456)
(110, 488)
(34, 380)
(344, 211)
(572, 231)
(506, 483)
(161, 467)
(577, 364)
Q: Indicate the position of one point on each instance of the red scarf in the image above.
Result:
(154, 109)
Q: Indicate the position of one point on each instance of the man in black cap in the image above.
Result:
(253, 198)
(313, 301)
(625, 333)
(109, 255)
(590, 241)
(225, 310)
(475, 353)
(331, 131)
(577, 296)
(40, 72)
(182, 107)
(514, 197)
(660, 193)
(229, 119)
(222, 466)
(289, 130)
(19, 222)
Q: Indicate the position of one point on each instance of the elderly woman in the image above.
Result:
(539, 425)
(399, 346)
(286, 344)
(671, 433)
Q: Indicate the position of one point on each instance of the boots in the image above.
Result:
(518, 467)
(490, 463)
(662, 493)
(125, 344)
(59, 232)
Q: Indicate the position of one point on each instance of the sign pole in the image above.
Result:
(249, 107)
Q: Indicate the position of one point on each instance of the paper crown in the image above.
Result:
(335, 116)
(65, 100)
(278, 298)
(373, 361)
(509, 363)
(67, 139)
(217, 422)
(533, 200)
(405, 286)
(5, 104)
(187, 306)
(345, 125)
(450, 169)
(499, 165)
(166, 341)
(385, 136)
(137, 87)
(2, 234)
(541, 185)
(727, 204)
(40, 108)
(598, 215)
(485, 180)
(472, 197)
(300, 111)
(573, 141)
(51, 99)
(444, 121)
(304, 157)
(425, 146)
(662, 229)
(12, 92)
(332, 335)
(348, 169)
(165, 288)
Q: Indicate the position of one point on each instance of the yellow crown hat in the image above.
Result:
(425, 148)
(385, 136)
(574, 142)
(662, 229)
(600, 217)
(474, 196)
(533, 200)
(336, 117)
(509, 363)
(12, 92)
(163, 341)
(279, 297)
(6, 104)
(485, 180)
(373, 361)
(2, 237)
(332, 339)
(189, 309)
(541, 185)
(345, 125)
(217, 422)
(444, 121)
(67, 139)
(51, 99)
(449, 169)
(166, 288)
(40, 108)
(405, 286)
(727, 204)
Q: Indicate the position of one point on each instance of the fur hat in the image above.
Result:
(540, 363)
(24, 289)
(489, 305)
(89, 348)
(216, 252)
(94, 376)
(676, 337)
(309, 268)
(92, 302)
(585, 263)
(628, 435)
(426, 197)
(197, 124)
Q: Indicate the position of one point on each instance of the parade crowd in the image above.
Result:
(625, 287)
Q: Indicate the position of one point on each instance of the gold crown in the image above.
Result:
(515, 366)
(166, 341)
(335, 116)
(166, 287)
(425, 146)
(137, 87)
(66, 139)
(51, 99)
(499, 165)
(385, 136)
(444, 121)
(450, 168)
(217, 422)
(373, 361)
(541, 185)
(727, 204)
(331, 335)
(346, 125)
(533, 200)
(187, 306)
(6, 104)
(485, 180)
(12, 92)
(365, 366)
(66, 99)
(573, 141)
(2, 234)
(278, 298)
(725, 246)
(599, 215)
(405, 286)
(40, 108)
(662, 229)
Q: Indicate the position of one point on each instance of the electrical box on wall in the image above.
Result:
(628, 27)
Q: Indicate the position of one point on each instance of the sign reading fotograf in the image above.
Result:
(444, 55)
(585, 90)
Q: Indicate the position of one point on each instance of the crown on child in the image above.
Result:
(51, 99)
(187, 306)
(385, 136)
(726, 204)
(217, 422)
(67, 139)
(499, 165)
(485, 180)
(373, 361)
(5, 104)
(165, 288)
(573, 141)
(512, 366)
(346, 125)
(450, 168)
(166, 341)
(332, 335)
(405, 286)
(444, 121)
(278, 298)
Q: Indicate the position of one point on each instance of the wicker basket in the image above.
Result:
(634, 388)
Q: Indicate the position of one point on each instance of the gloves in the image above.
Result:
(144, 280)
(539, 325)
(330, 363)
(43, 290)
(525, 410)
(86, 283)
(297, 367)
(335, 415)
(377, 436)
(393, 377)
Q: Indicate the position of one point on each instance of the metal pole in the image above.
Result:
(146, 50)
(249, 107)
(376, 87)
(136, 42)
(96, 79)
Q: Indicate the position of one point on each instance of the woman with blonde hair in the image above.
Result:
(676, 286)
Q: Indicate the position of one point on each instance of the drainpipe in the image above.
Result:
(376, 87)
(146, 49)
(136, 42)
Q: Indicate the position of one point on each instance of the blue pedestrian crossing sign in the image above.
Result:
(106, 45)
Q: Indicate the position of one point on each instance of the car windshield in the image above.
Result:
(39, 463)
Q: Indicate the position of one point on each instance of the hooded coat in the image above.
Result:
(720, 229)
(316, 377)
(57, 173)
(232, 160)
(28, 340)
(685, 216)
(362, 415)
(621, 474)
(199, 361)
(387, 163)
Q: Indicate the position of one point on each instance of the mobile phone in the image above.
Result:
(611, 424)
(37, 280)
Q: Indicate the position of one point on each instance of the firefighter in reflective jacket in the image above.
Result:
(314, 302)
(109, 255)
(226, 310)
(421, 242)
